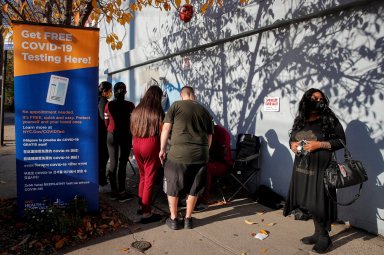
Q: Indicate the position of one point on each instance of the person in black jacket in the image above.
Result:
(105, 92)
(117, 116)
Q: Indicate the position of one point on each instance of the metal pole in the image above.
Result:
(2, 83)
(4, 73)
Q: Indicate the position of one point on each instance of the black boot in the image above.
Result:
(313, 238)
(324, 241)
(310, 239)
(323, 244)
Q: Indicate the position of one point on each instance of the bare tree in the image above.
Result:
(88, 12)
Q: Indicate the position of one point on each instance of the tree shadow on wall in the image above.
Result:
(337, 53)
(362, 147)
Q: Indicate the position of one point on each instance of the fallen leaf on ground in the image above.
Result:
(125, 249)
(260, 213)
(56, 238)
(31, 243)
(271, 224)
(38, 245)
(249, 222)
(25, 239)
(18, 238)
(59, 244)
(263, 250)
(81, 236)
(263, 231)
(218, 203)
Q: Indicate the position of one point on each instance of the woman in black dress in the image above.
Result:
(316, 133)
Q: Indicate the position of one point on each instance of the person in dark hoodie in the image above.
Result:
(117, 116)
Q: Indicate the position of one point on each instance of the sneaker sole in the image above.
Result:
(171, 226)
(323, 252)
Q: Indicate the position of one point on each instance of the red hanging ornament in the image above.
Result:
(186, 12)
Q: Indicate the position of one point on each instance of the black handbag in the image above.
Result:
(341, 175)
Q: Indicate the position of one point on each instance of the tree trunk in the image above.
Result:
(86, 14)
(68, 16)
(1, 49)
(48, 11)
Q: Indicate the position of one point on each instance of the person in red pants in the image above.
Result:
(220, 161)
(146, 122)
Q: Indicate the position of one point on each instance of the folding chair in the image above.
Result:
(247, 162)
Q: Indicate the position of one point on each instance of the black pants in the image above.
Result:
(119, 149)
(103, 158)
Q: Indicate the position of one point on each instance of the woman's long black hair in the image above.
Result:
(104, 86)
(327, 116)
(119, 91)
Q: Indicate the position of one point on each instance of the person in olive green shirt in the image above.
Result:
(185, 165)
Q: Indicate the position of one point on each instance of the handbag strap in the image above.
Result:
(343, 204)
(347, 154)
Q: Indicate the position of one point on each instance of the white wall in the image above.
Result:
(342, 54)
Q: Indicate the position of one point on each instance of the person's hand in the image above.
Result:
(294, 146)
(162, 156)
(312, 145)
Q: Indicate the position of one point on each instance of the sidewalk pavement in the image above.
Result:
(221, 229)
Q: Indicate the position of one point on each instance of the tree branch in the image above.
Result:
(15, 10)
(88, 11)
(68, 16)
(49, 10)
(32, 12)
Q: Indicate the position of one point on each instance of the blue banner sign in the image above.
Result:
(56, 77)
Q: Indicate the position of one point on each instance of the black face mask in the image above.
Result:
(317, 106)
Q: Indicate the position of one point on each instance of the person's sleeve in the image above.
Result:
(169, 116)
(212, 129)
(291, 137)
(339, 135)
(102, 104)
(107, 115)
(211, 125)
